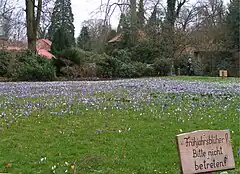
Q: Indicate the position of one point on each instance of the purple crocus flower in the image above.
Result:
(164, 106)
(238, 151)
(238, 108)
(3, 114)
(98, 131)
(29, 105)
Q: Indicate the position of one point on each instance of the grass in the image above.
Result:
(205, 79)
(111, 136)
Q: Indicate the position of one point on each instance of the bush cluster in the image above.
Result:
(76, 63)
(209, 65)
(122, 63)
(5, 59)
(141, 60)
(26, 66)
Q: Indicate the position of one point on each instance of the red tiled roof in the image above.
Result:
(42, 50)
(46, 41)
(45, 53)
(12, 48)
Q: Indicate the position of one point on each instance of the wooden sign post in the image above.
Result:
(205, 151)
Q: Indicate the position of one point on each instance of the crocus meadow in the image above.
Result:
(118, 120)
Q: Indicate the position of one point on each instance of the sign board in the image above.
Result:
(205, 151)
(223, 73)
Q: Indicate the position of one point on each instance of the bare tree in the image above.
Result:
(47, 9)
(94, 27)
(187, 17)
(200, 26)
(98, 31)
(208, 29)
(6, 15)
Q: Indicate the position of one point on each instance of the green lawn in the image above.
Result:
(205, 78)
(109, 135)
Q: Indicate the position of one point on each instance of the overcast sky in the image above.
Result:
(87, 9)
(82, 10)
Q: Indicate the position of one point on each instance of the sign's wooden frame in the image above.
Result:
(178, 148)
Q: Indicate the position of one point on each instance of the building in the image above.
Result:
(43, 46)
(141, 35)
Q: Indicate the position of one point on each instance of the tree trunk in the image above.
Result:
(169, 26)
(133, 6)
(32, 23)
(168, 29)
(38, 16)
(140, 15)
(170, 17)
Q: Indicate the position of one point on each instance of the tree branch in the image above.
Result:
(179, 6)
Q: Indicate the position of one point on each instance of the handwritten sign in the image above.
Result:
(205, 151)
